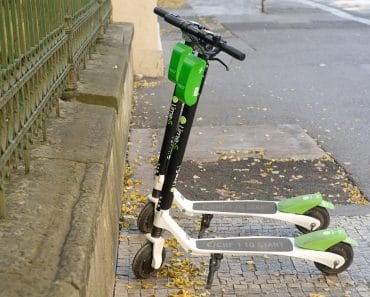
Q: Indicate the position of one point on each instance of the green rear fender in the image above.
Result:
(303, 203)
(323, 239)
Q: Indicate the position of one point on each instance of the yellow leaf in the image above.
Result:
(199, 283)
(147, 286)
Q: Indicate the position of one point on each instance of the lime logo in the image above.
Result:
(175, 99)
(183, 120)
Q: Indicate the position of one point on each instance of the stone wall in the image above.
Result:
(60, 236)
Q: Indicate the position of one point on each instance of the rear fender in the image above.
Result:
(323, 239)
(303, 203)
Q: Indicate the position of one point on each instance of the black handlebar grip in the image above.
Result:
(232, 51)
(175, 21)
(161, 12)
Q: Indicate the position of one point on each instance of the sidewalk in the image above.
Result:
(238, 276)
(229, 158)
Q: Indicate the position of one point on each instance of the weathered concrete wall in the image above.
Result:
(147, 46)
(60, 237)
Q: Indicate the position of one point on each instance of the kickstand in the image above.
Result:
(206, 222)
(214, 265)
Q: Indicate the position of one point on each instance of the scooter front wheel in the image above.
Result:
(342, 249)
(146, 218)
(142, 263)
(319, 213)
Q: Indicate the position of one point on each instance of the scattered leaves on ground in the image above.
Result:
(131, 199)
(154, 160)
(132, 202)
(238, 155)
(182, 272)
(129, 182)
(154, 140)
(316, 295)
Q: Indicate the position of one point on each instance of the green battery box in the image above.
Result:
(179, 53)
(190, 79)
(186, 71)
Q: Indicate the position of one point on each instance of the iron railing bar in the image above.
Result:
(9, 34)
(15, 29)
(11, 92)
(85, 44)
(78, 22)
(25, 129)
(3, 39)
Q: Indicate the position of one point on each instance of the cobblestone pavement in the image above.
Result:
(253, 276)
(240, 276)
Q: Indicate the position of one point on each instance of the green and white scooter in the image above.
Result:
(308, 212)
(330, 249)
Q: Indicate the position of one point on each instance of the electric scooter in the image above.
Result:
(331, 249)
(308, 212)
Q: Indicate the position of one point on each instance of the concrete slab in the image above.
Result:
(206, 143)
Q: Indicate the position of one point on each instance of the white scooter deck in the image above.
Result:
(265, 209)
(249, 245)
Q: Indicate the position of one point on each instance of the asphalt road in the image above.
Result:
(305, 65)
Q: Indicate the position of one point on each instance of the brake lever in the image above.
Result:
(221, 62)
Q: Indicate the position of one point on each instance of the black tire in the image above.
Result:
(142, 263)
(319, 213)
(146, 218)
(342, 249)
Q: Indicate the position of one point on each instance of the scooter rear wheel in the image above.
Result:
(319, 213)
(146, 218)
(142, 263)
(342, 249)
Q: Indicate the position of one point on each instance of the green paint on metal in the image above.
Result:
(190, 79)
(301, 204)
(326, 204)
(179, 53)
(183, 120)
(350, 241)
(323, 239)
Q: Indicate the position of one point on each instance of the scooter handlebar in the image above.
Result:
(161, 12)
(232, 51)
(188, 27)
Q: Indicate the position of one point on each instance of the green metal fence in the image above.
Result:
(43, 45)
